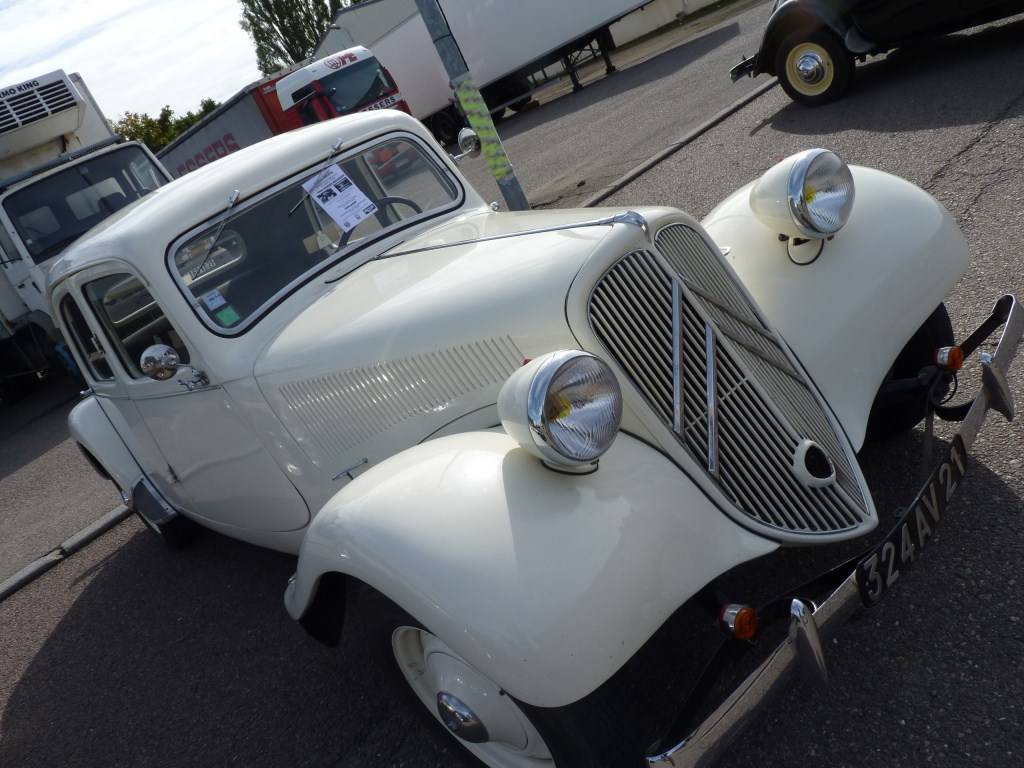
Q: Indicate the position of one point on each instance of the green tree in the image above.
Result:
(286, 31)
(157, 132)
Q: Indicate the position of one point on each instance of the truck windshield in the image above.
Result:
(50, 214)
(236, 269)
(357, 86)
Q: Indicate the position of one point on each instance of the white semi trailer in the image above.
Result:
(502, 43)
(62, 172)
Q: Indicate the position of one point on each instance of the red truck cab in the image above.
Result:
(348, 81)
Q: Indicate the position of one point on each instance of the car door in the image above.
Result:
(208, 459)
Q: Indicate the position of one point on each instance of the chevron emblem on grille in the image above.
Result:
(710, 359)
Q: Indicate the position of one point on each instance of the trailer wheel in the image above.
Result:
(445, 127)
(814, 68)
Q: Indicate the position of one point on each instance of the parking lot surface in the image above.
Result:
(575, 145)
(47, 489)
(129, 654)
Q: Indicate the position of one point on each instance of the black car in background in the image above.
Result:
(811, 45)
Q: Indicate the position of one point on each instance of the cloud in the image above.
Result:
(134, 55)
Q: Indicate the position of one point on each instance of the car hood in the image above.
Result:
(409, 343)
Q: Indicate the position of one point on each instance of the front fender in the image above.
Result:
(545, 581)
(847, 315)
(92, 430)
(797, 16)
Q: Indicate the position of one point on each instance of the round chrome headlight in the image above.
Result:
(820, 192)
(808, 195)
(564, 407)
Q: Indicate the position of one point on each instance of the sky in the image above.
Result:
(134, 55)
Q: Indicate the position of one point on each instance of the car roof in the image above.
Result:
(177, 207)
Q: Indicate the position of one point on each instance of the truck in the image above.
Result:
(502, 43)
(251, 115)
(63, 170)
(310, 91)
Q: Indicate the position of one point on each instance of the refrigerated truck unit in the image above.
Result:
(62, 171)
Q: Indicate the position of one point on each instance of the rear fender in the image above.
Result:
(104, 448)
(848, 314)
(545, 581)
(797, 16)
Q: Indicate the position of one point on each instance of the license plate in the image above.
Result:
(880, 569)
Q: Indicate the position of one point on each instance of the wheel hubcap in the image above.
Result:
(470, 705)
(460, 719)
(809, 69)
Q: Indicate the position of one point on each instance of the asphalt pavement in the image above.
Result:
(129, 654)
(578, 143)
(48, 491)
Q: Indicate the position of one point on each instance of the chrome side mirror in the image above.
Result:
(159, 362)
(469, 144)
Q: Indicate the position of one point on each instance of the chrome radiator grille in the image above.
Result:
(761, 408)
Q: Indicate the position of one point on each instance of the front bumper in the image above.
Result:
(746, 67)
(810, 627)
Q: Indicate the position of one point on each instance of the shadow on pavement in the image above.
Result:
(909, 89)
(35, 424)
(637, 75)
(188, 658)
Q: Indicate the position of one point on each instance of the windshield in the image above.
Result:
(57, 210)
(357, 85)
(280, 241)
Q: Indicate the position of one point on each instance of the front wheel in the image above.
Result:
(814, 68)
(465, 705)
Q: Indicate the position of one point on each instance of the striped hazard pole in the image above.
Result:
(473, 105)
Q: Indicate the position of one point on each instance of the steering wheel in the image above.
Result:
(381, 202)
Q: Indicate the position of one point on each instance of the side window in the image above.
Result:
(85, 342)
(132, 318)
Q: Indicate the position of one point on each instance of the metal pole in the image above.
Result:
(473, 104)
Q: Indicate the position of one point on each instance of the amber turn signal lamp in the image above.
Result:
(739, 621)
(949, 358)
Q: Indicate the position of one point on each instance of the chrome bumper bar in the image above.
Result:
(809, 628)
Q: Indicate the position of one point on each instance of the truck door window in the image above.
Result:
(88, 346)
(132, 319)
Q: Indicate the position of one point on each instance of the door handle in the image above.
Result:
(198, 381)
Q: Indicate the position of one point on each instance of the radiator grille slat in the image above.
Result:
(765, 407)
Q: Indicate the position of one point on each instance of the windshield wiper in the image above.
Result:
(232, 199)
(335, 148)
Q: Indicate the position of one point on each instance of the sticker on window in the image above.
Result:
(214, 300)
(340, 198)
(228, 316)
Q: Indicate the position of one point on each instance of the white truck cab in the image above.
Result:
(62, 171)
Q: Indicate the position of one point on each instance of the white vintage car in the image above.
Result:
(525, 447)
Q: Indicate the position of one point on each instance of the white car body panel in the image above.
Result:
(548, 582)
(899, 254)
(91, 429)
(358, 376)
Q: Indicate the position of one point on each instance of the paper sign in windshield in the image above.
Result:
(340, 198)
